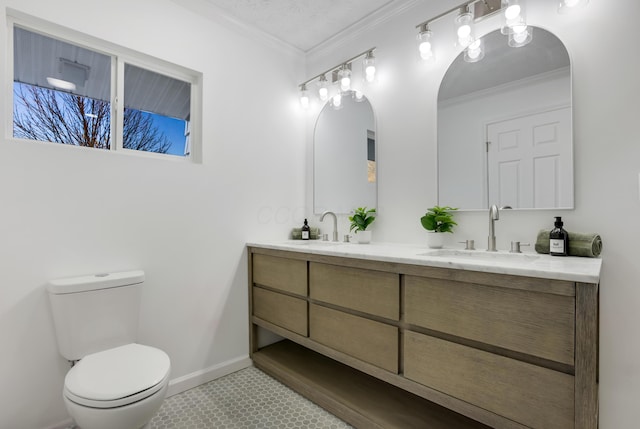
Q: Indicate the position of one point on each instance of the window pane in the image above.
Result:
(157, 111)
(61, 91)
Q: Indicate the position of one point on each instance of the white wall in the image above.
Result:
(67, 211)
(607, 153)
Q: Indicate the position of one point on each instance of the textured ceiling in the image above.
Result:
(303, 24)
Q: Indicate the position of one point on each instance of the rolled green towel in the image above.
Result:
(314, 233)
(588, 245)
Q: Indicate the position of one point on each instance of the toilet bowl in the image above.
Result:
(115, 383)
(122, 387)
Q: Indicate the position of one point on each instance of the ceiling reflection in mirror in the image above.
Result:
(505, 127)
(344, 157)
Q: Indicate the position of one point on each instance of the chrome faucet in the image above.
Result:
(335, 223)
(494, 215)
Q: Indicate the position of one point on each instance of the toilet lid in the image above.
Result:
(117, 373)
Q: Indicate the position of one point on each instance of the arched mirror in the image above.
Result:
(505, 127)
(344, 157)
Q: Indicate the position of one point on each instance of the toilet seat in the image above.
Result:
(118, 376)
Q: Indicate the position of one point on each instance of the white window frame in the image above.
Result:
(120, 56)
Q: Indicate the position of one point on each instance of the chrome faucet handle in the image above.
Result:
(515, 246)
(468, 244)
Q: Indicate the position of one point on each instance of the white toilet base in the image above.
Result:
(132, 416)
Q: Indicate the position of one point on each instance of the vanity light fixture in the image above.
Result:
(369, 67)
(344, 76)
(569, 5)
(424, 43)
(323, 88)
(513, 15)
(520, 35)
(336, 101)
(514, 25)
(341, 76)
(475, 51)
(304, 96)
(464, 27)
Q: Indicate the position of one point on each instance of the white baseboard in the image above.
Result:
(195, 379)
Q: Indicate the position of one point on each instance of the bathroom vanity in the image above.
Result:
(393, 336)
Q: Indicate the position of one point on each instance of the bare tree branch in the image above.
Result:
(46, 115)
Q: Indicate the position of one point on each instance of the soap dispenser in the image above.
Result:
(306, 231)
(558, 239)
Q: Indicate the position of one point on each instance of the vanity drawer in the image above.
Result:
(282, 310)
(537, 324)
(367, 340)
(372, 292)
(534, 396)
(289, 275)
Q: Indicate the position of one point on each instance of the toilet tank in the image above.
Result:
(96, 312)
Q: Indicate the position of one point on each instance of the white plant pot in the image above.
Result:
(435, 240)
(363, 237)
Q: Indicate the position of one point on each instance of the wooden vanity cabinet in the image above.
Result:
(449, 348)
(279, 292)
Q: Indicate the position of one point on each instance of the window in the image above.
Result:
(68, 93)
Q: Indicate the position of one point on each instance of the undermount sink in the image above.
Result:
(482, 255)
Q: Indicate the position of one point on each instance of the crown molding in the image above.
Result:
(216, 14)
(372, 20)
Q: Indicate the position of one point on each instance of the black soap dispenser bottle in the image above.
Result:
(558, 239)
(306, 231)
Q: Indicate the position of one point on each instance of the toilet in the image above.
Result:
(114, 382)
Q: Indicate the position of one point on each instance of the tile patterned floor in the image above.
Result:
(247, 399)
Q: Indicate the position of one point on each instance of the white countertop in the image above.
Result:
(529, 264)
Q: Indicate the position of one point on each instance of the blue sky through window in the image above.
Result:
(173, 129)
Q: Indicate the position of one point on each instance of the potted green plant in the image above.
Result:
(362, 217)
(436, 221)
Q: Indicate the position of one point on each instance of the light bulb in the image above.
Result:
(512, 12)
(323, 88)
(569, 5)
(425, 48)
(336, 101)
(464, 29)
(520, 35)
(369, 65)
(474, 52)
(345, 78)
(345, 83)
(304, 101)
(304, 97)
(370, 73)
(323, 93)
